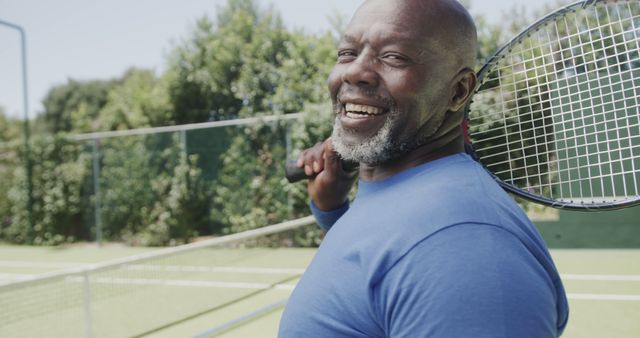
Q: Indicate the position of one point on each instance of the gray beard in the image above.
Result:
(377, 149)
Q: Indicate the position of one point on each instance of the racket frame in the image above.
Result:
(499, 54)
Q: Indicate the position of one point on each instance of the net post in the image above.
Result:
(183, 143)
(96, 190)
(88, 322)
(287, 152)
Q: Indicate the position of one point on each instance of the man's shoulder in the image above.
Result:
(450, 191)
(392, 221)
(472, 266)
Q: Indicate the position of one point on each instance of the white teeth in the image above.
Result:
(359, 108)
(357, 116)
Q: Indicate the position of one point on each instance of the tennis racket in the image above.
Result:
(556, 114)
(555, 117)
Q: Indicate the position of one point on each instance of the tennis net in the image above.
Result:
(140, 295)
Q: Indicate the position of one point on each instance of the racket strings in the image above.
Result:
(545, 90)
(617, 136)
(537, 113)
(558, 114)
(572, 133)
(634, 41)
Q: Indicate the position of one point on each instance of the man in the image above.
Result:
(431, 246)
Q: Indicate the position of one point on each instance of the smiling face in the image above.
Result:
(396, 77)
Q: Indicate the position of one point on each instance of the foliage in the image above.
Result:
(152, 193)
(202, 73)
(9, 128)
(59, 173)
(125, 184)
(303, 74)
(75, 106)
(249, 191)
(140, 99)
(243, 62)
(176, 218)
(277, 72)
(8, 162)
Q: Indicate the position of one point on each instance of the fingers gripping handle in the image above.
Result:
(294, 174)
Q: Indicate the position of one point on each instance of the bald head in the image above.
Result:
(446, 23)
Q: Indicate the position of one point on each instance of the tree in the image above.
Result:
(181, 210)
(126, 181)
(75, 106)
(139, 99)
(9, 161)
(60, 171)
(9, 128)
(303, 73)
(153, 193)
(223, 71)
(241, 63)
(251, 191)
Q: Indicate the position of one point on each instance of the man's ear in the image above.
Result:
(463, 87)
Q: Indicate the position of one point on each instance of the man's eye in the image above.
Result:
(394, 56)
(345, 55)
(395, 59)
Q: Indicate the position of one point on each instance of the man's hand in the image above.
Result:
(331, 185)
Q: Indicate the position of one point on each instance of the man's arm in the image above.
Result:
(326, 219)
(329, 189)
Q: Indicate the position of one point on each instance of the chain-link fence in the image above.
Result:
(153, 186)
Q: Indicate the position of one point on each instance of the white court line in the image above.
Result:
(14, 276)
(183, 268)
(258, 270)
(149, 267)
(181, 282)
(46, 265)
(623, 278)
(594, 296)
(7, 278)
(242, 319)
(286, 286)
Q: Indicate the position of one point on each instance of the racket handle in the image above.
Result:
(295, 174)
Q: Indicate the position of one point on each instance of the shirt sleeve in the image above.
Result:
(468, 280)
(326, 219)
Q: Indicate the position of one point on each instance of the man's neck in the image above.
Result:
(423, 154)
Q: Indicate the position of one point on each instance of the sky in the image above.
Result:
(90, 39)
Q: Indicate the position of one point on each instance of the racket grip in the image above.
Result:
(295, 174)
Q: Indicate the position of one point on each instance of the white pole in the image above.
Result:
(88, 322)
(97, 213)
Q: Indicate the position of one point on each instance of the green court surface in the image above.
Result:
(243, 296)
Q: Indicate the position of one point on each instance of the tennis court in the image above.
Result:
(238, 288)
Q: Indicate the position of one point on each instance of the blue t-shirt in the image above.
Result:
(439, 250)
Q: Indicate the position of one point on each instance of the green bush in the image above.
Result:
(176, 218)
(60, 171)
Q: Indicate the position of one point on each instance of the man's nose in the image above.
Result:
(361, 72)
